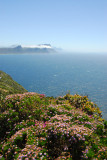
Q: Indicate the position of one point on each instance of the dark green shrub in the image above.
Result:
(20, 141)
(8, 152)
(90, 154)
(99, 129)
(37, 114)
(76, 148)
(51, 111)
(10, 155)
(55, 144)
(105, 124)
(88, 126)
(58, 143)
(4, 125)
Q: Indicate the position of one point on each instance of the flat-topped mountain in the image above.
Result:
(43, 48)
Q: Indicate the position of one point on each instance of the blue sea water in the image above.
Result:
(56, 74)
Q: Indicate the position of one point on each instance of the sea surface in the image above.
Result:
(57, 74)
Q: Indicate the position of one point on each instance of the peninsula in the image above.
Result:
(43, 48)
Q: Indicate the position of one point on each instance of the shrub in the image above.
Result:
(51, 111)
(20, 141)
(99, 129)
(105, 124)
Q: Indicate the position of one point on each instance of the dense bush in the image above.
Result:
(37, 127)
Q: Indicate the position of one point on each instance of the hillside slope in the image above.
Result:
(8, 85)
(36, 127)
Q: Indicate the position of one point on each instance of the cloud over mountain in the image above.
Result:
(42, 48)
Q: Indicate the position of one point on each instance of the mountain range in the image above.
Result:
(42, 48)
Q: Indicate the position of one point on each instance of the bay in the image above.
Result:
(56, 74)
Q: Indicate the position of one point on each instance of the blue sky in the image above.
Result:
(76, 25)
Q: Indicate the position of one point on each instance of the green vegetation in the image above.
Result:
(8, 85)
(33, 126)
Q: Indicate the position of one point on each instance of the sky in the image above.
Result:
(73, 25)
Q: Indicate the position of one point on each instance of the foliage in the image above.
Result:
(37, 127)
(8, 85)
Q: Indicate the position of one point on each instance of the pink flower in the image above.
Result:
(44, 125)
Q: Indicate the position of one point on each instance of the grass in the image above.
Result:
(8, 85)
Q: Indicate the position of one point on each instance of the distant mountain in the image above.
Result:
(42, 48)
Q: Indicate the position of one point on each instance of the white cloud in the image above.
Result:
(37, 46)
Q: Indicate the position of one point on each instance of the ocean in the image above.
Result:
(57, 74)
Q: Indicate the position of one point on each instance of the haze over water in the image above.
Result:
(56, 74)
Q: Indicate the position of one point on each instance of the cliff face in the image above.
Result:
(33, 126)
(8, 85)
